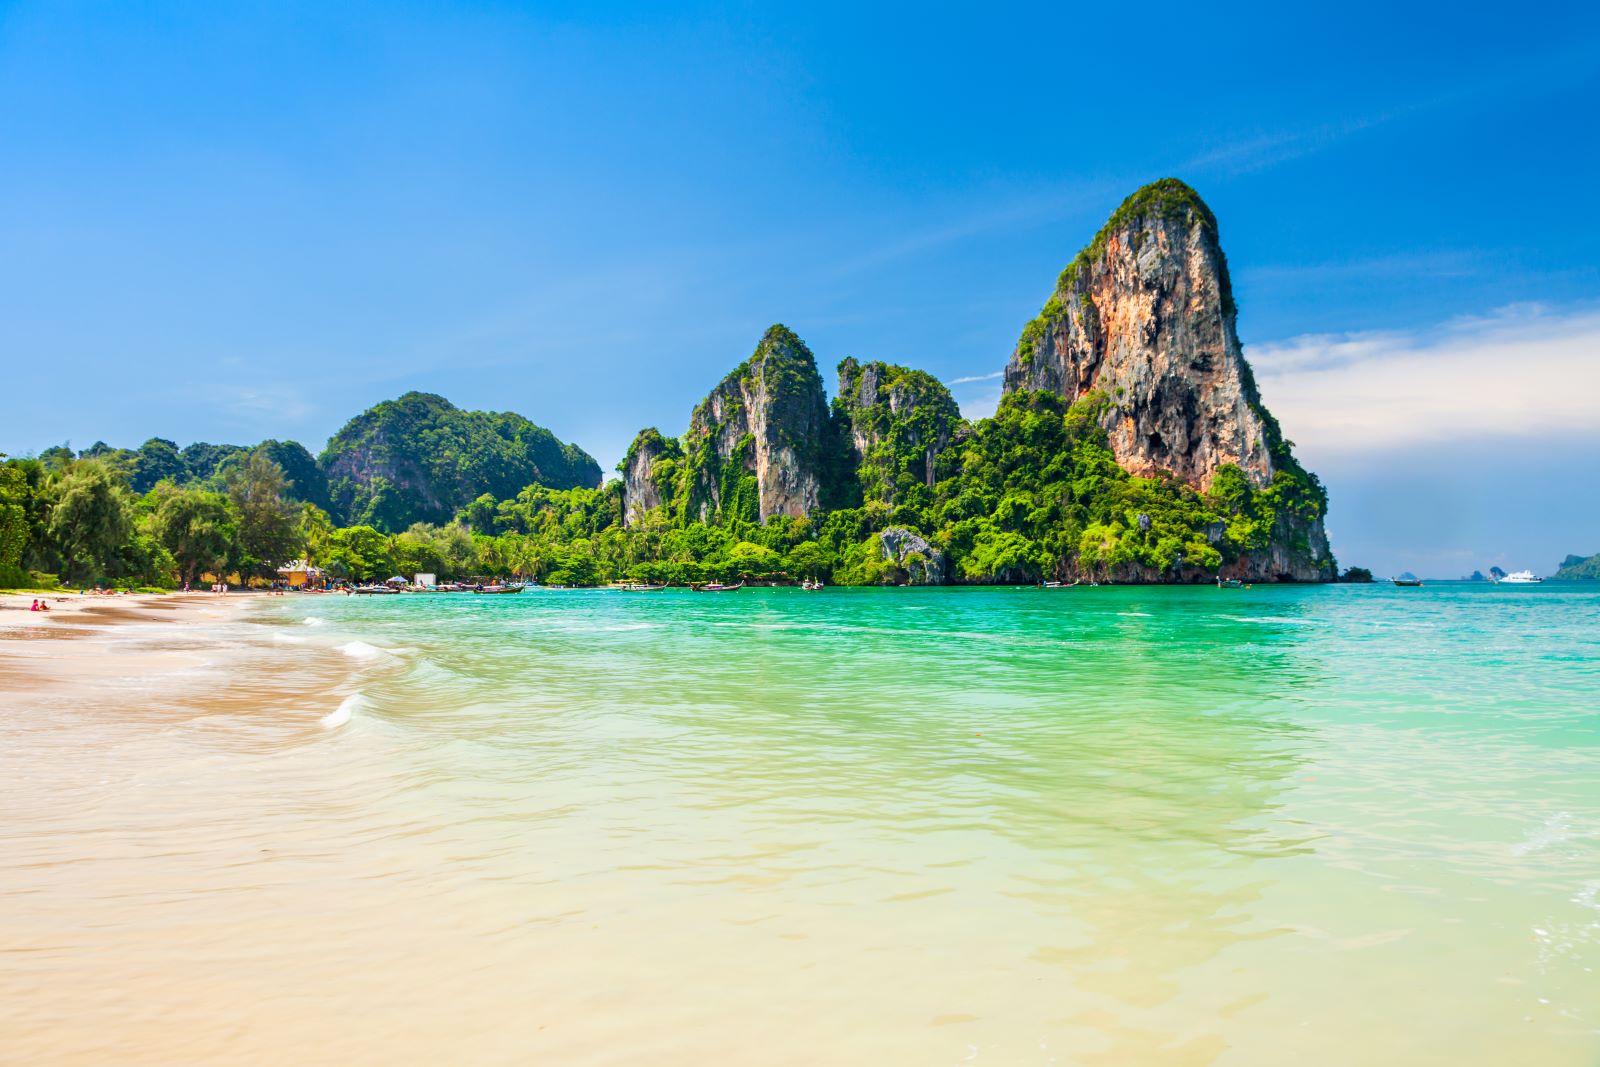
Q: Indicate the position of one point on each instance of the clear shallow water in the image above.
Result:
(1087, 826)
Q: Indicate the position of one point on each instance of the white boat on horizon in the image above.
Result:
(1520, 578)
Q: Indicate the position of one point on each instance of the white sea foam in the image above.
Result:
(311, 620)
(1556, 830)
(343, 713)
(362, 650)
(287, 639)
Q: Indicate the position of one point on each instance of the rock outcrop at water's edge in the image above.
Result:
(1576, 567)
(1131, 444)
(1145, 317)
(922, 562)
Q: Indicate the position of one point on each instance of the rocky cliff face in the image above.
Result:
(755, 445)
(1145, 317)
(923, 562)
(649, 474)
(1145, 314)
(898, 421)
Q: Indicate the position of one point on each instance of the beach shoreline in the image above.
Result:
(34, 649)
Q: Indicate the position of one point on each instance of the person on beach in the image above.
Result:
(35, 606)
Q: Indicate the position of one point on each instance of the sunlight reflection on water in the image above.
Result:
(1165, 826)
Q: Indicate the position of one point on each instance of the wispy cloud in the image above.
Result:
(992, 215)
(1450, 263)
(977, 378)
(1557, 69)
(1522, 371)
(1261, 150)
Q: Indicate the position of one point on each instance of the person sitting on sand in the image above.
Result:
(35, 606)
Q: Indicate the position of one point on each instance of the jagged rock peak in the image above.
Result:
(649, 473)
(1145, 315)
(754, 446)
(899, 420)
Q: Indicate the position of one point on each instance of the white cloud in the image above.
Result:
(1520, 372)
(977, 378)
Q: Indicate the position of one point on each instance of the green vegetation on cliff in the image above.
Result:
(896, 421)
(1033, 493)
(888, 485)
(420, 459)
(1580, 567)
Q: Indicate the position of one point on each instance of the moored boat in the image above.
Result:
(719, 587)
(375, 590)
(1521, 578)
(498, 589)
(1230, 583)
(635, 587)
(1407, 581)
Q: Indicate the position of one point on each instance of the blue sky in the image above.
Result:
(229, 223)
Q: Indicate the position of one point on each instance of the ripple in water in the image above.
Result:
(893, 826)
(344, 712)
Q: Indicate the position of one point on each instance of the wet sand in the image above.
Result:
(71, 643)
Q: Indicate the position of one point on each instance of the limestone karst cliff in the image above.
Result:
(1144, 316)
(898, 421)
(754, 448)
(1131, 444)
(649, 474)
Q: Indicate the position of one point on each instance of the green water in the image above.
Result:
(1380, 797)
(1114, 825)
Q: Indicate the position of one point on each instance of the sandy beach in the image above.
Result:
(587, 828)
(36, 657)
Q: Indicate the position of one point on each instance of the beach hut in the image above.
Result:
(300, 574)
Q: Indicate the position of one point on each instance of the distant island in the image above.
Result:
(1580, 567)
(1130, 445)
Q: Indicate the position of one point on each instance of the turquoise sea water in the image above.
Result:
(1100, 826)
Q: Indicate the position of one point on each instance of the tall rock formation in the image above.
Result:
(1145, 314)
(1145, 317)
(755, 446)
(421, 458)
(898, 421)
(649, 474)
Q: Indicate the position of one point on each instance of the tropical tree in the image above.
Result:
(256, 489)
(196, 527)
(359, 552)
(312, 530)
(13, 521)
(90, 518)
